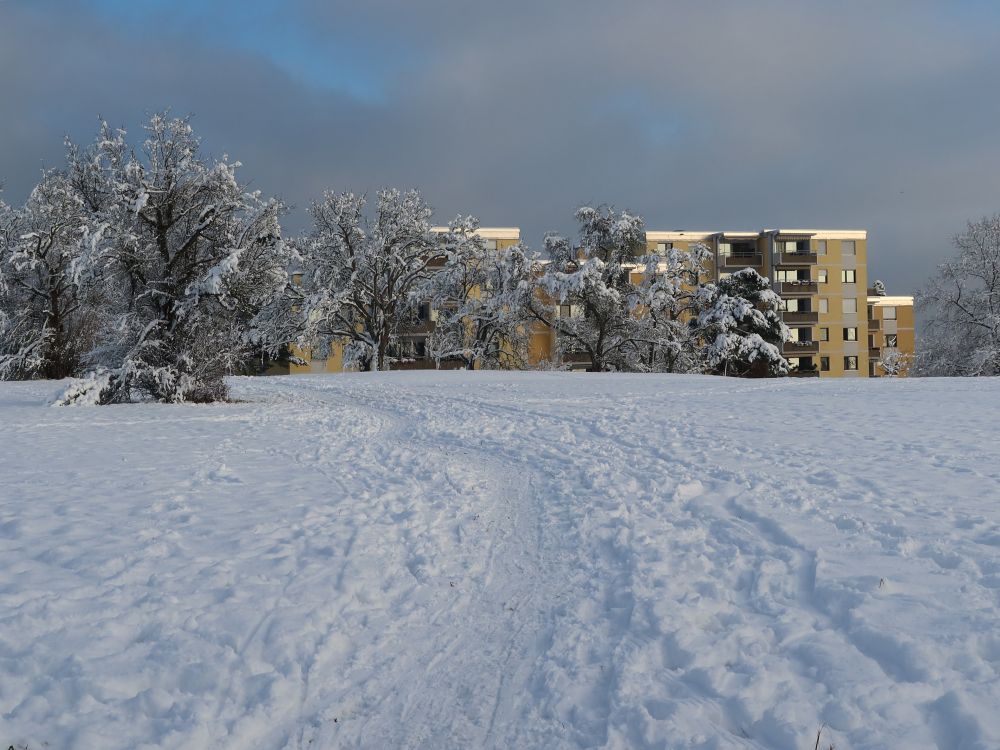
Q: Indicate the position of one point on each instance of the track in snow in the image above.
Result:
(455, 560)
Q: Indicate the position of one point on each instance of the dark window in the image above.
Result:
(824, 334)
(824, 364)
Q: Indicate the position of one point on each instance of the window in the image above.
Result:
(888, 313)
(848, 276)
(850, 305)
(847, 247)
(850, 334)
(824, 305)
(565, 311)
(725, 275)
(824, 334)
(793, 334)
(793, 363)
(820, 247)
(420, 347)
(824, 364)
(803, 334)
(890, 340)
(793, 305)
(821, 275)
(424, 311)
(662, 247)
(850, 363)
(725, 249)
(297, 279)
(491, 244)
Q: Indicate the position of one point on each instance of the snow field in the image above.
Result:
(532, 560)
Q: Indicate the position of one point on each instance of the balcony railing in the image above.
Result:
(796, 288)
(804, 374)
(874, 325)
(800, 348)
(874, 352)
(800, 317)
(742, 261)
(796, 259)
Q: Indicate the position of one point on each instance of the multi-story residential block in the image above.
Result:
(821, 276)
(838, 328)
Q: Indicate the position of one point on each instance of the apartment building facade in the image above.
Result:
(839, 327)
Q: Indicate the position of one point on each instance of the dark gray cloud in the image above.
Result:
(696, 114)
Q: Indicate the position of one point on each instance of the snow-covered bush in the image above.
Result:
(188, 258)
(740, 323)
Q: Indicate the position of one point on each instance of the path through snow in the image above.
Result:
(532, 560)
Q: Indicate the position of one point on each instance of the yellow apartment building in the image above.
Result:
(891, 335)
(839, 327)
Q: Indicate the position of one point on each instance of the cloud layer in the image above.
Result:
(695, 114)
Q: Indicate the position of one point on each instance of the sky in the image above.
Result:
(700, 114)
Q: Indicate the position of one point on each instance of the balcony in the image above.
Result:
(796, 288)
(874, 325)
(742, 261)
(874, 352)
(800, 317)
(804, 374)
(800, 348)
(796, 259)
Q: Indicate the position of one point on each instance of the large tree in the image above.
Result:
(48, 295)
(740, 323)
(188, 257)
(480, 296)
(586, 295)
(363, 275)
(960, 306)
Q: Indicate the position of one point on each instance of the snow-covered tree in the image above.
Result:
(879, 287)
(960, 306)
(363, 275)
(586, 294)
(481, 297)
(188, 258)
(740, 323)
(673, 303)
(48, 298)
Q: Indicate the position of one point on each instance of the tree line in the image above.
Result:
(151, 272)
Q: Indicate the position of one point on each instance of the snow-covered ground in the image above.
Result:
(509, 560)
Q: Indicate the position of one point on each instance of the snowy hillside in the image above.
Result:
(508, 560)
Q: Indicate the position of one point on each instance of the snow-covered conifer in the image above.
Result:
(741, 326)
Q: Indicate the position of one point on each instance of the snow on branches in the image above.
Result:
(188, 259)
(741, 325)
